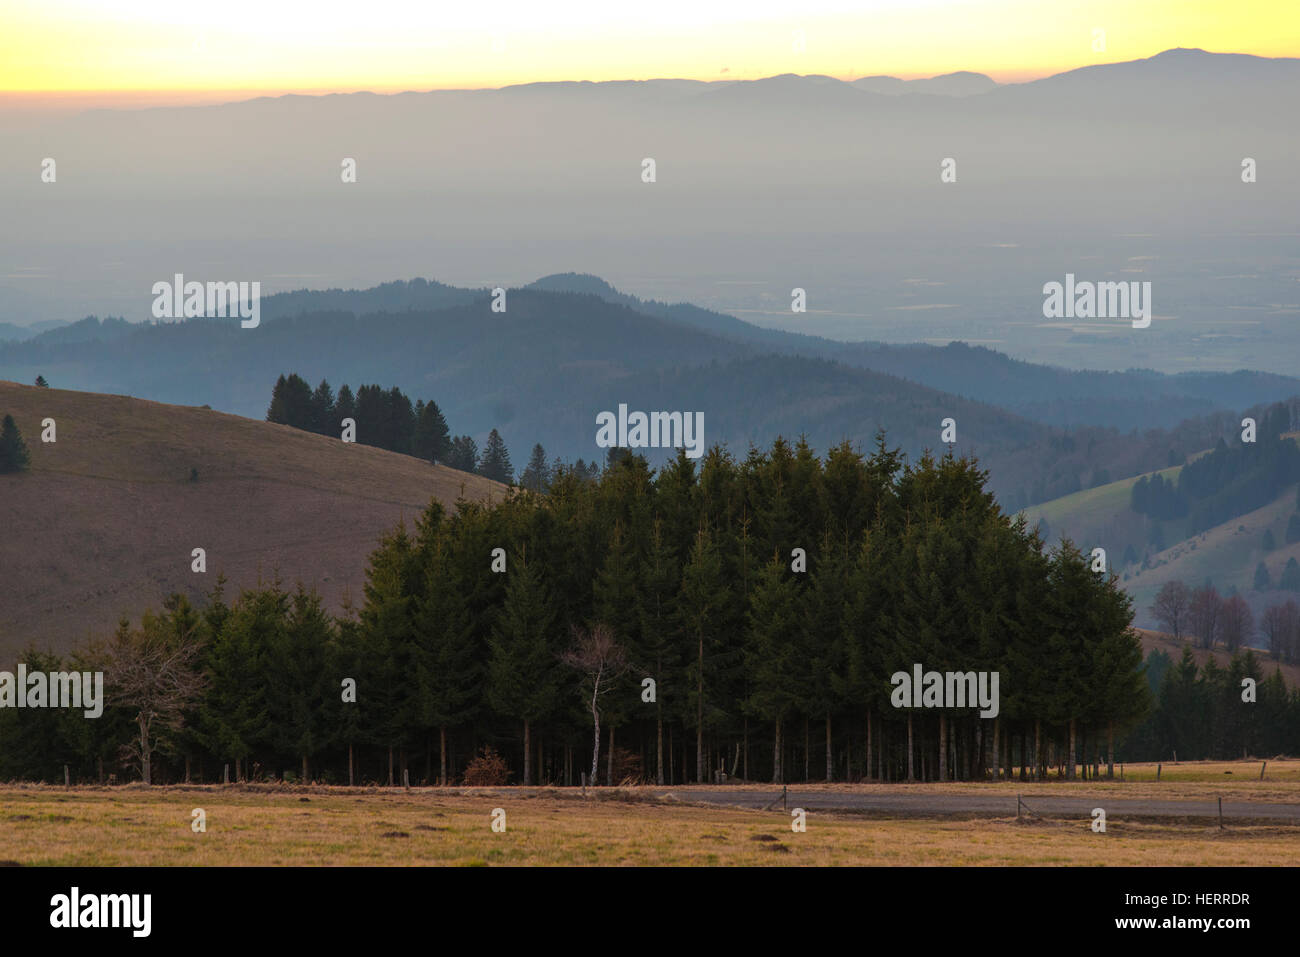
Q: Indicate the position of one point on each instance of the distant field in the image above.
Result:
(104, 522)
(1070, 511)
(545, 826)
(1227, 554)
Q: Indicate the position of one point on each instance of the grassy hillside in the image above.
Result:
(1226, 554)
(104, 522)
(1153, 641)
(1074, 513)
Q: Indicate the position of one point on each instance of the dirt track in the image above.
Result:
(999, 804)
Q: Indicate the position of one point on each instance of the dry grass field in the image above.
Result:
(104, 521)
(557, 827)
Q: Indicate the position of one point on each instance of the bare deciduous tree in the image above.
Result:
(1170, 607)
(1236, 623)
(155, 675)
(1204, 614)
(602, 660)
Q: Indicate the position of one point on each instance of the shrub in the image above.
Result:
(487, 770)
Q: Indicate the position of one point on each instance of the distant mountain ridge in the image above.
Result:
(569, 346)
(1137, 398)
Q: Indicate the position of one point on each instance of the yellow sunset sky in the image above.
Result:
(193, 49)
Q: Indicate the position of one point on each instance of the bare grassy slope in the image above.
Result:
(1153, 641)
(104, 522)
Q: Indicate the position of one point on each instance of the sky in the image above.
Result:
(77, 52)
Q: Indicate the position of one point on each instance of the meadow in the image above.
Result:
(303, 826)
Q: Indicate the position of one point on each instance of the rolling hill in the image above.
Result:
(1226, 554)
(104, 521)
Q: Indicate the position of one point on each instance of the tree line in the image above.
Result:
(1210, 618)
(386, 418)
(1200, 712)
(732, 616)
(1230, 481)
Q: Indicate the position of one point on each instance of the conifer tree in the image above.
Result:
(432, 440)
(322, 409)
(463, 454)
(448, 666)
(345, 407)
(299, 680)
(495, 461)
(703, 600)
(537, 475)
(658, 653)
(778, 669)
(523, 682)
(14, 456)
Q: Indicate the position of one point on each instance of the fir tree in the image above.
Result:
(537, 474)
(463, 455)
(522, 678)
(495, 461)
(14, 456)
(431, 440)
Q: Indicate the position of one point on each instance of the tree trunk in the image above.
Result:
(609, 757)
(390, 765)
(305, 778)
(442, 756)
(776, 754)
(699, 718)
(528, 754)
(746, 765)
(807, 747)
(943, 746)
(911, 767)
(997, 754)
(1110, 749)
(1039, 767)
(830, 766)
(595, 724)
(146, 759)
(1074, 732)
(868, 768)
(351, 779)
(659, 742)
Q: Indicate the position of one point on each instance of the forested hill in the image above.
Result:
(540, 372)
(1137, 398)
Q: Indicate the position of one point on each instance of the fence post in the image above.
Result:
(406, 778)
(1220, 814)
(67, 782)
(1261, 770)
(1158, 767)
(225, 774)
